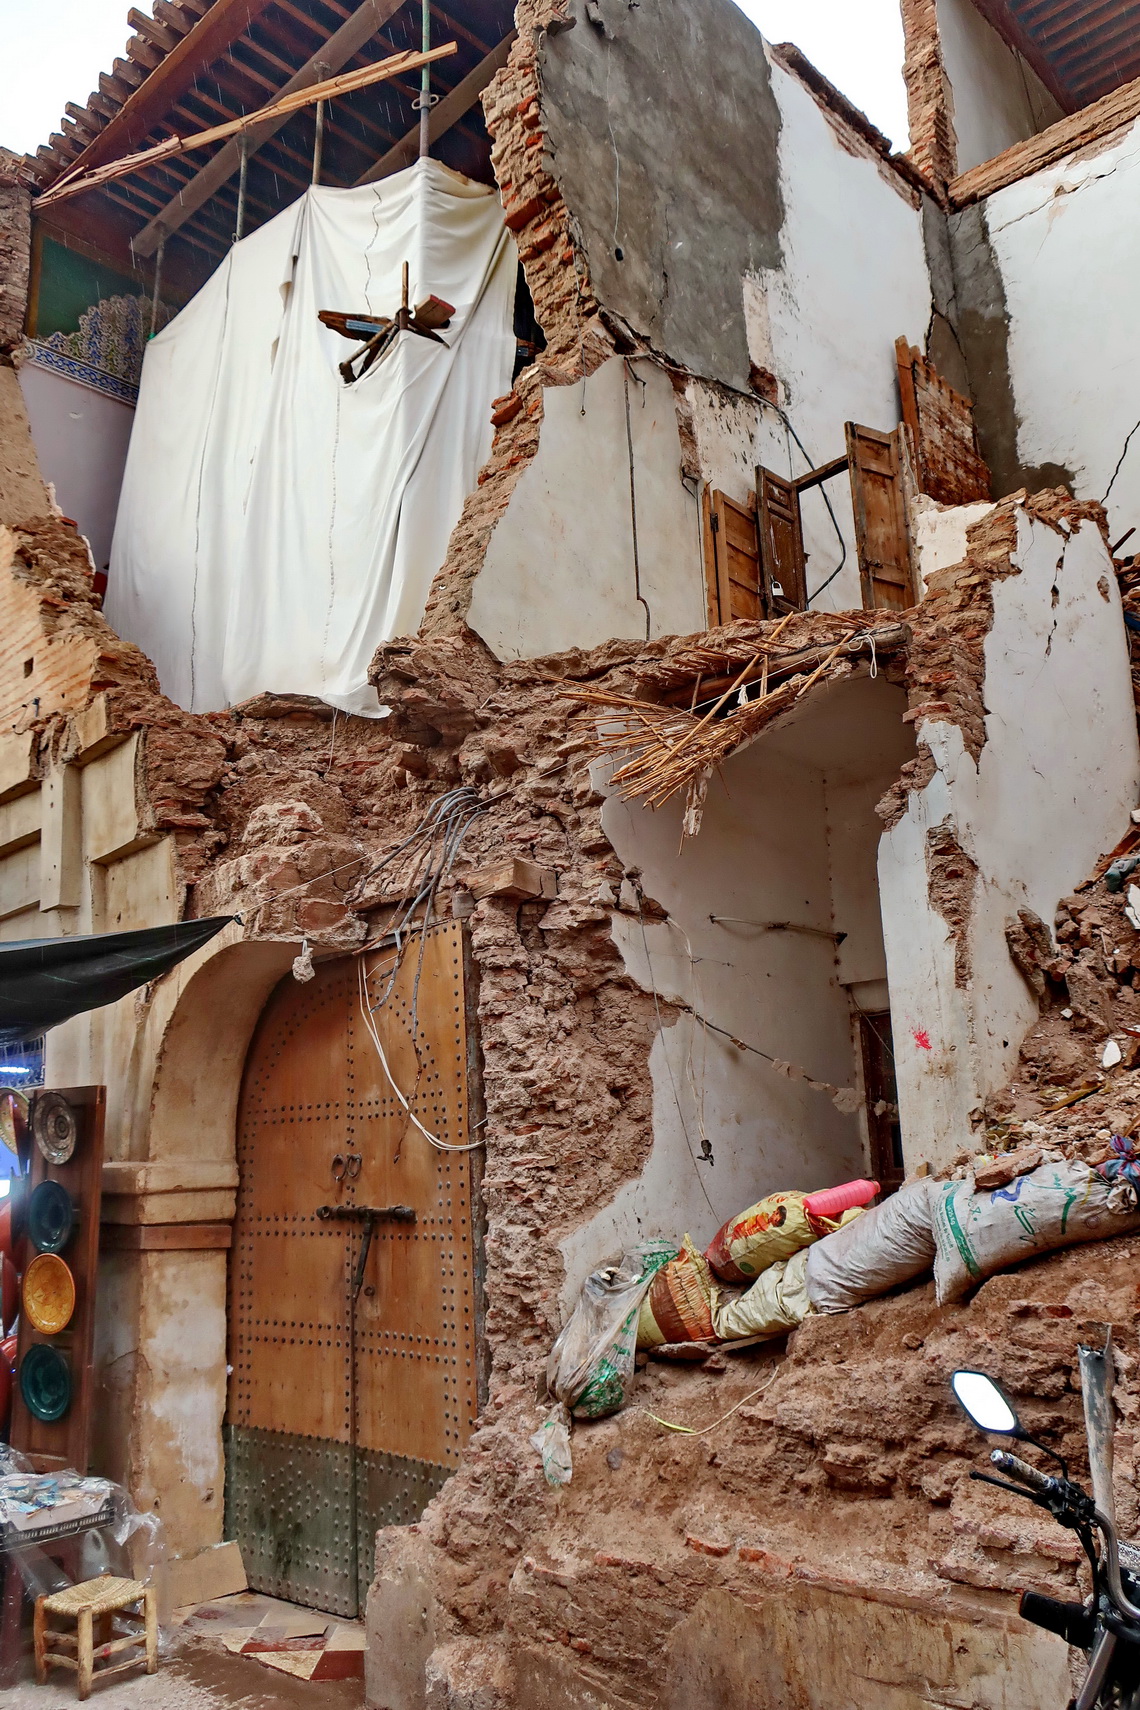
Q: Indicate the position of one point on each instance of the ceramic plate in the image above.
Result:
(49, 1294)
(45, 1382)
(54, 1126)
(51, 1217)
(13, 1118)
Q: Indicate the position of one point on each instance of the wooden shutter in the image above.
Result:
(879, 503)
(732, 559)
(940, 421)
(781, 543)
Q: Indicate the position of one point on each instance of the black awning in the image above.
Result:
(48, 980)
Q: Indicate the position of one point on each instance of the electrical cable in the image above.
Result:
(436, 841)
(703, 1431)
(637, 594)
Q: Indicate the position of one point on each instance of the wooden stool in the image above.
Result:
(81, 1604)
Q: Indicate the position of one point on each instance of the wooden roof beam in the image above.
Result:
(151, 30)
(176, 18)
(451, 109)
(145, 106)
(363, 24)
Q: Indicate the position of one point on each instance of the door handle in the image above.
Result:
(370, 1216)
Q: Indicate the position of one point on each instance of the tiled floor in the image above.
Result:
(298, 1642)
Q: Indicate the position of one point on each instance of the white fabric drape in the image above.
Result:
(276, 525)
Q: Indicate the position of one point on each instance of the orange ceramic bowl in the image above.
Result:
(49, 1294)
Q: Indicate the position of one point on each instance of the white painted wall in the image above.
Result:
(1058, 776)
(996, 99)
(853, 278)
(793, 839)
(939, 533)
(559, 570)
(1067, 244)
(81, 440)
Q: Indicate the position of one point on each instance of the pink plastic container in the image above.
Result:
(832, 1202)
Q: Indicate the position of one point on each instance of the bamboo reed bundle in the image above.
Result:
(661, 750)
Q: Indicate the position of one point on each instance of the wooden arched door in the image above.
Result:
(354, 1374)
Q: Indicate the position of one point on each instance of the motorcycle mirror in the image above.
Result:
(981, 1398)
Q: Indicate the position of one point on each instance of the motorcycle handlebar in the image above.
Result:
(1022, 1471)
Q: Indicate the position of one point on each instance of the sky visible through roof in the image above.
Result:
(58, 48)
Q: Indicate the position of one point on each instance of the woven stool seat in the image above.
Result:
(96, 1599)
(101, 1596)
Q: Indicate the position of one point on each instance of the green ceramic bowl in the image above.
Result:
(45, 1382)
(51, 1217)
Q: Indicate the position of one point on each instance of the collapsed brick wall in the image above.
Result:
(557, 275)
(852, 1469)
(933, 146)
(15, 251)
(278, 793)
(946, 654)
(849, 1469)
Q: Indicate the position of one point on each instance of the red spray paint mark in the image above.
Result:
(921, 1038)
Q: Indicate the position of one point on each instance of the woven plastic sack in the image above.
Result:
(772, 1229)
(1056, 1205)
(678, 1305)
(890, 1244)
(776, 1302)
(590, 1368)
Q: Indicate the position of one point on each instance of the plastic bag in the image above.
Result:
(776, 1303)
(590, 1369)
(679, 1304)
(888, 1245)
(772, 1229)
(1054, 1206)
(552, 1440)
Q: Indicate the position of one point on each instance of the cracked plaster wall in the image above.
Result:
(1033, 289)
(766, 235)
(1048, 792)
(823, 318)
(1066, 246)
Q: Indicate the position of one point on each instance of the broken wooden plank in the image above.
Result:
(147, 105)
(265, 120)
(524, 881)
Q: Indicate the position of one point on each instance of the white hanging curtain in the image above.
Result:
(276, 524)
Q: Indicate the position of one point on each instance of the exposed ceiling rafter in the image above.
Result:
(328, 59)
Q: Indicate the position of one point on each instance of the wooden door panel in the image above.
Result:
(781, 542)
(416, 1388)
(376, 1389)
(732, 559)
(881, 531)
